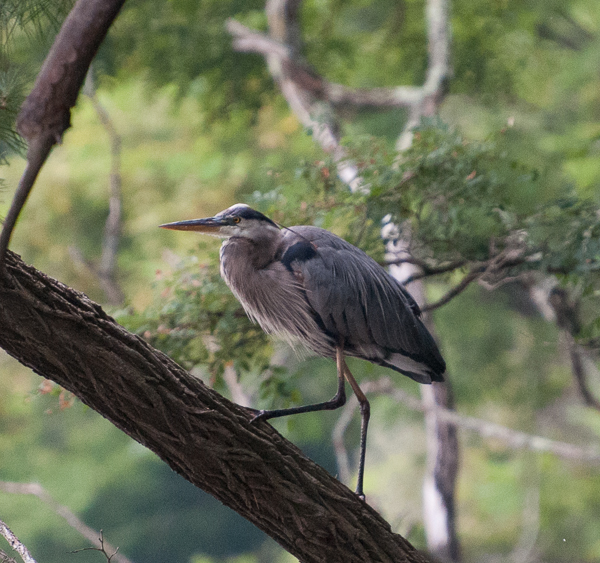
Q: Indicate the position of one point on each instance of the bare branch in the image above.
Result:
(38, 151)
(107, 268)
(443, 453)
(456, 290)
(438, 35)
(514, 439)
(102, 549)
(426, 270)
(400, 96)
(71, 519)
(15, 543)
(493, 270)
(438, 69)
(248, 41)
(580, 374)
(443, 462)
(299, 84)
(556, 306)
(5, 558)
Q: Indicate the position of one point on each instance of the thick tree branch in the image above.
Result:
(67, 338)
(46, 113)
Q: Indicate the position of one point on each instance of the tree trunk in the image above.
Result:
(67, 338)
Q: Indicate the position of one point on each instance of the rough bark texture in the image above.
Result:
(47, 109)
(67, 338)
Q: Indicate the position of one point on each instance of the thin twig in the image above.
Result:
(5, 558)
(457, 289)
(580, 374)
(101, 549)
(508, 258)
(72, 520)
(426, 271)
(106, 271)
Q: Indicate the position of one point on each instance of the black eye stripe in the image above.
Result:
(247, 213)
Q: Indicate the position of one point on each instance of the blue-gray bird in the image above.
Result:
(310, 286)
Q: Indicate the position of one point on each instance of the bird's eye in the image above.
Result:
(236, 219)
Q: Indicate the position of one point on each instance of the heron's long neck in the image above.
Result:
(242, 257)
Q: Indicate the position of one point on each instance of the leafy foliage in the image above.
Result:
(196, 319)
(24, 28)
(470, 200)
(189, 46)
(202, 127)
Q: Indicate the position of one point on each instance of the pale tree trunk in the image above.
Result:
(314, 101)
(441, 471)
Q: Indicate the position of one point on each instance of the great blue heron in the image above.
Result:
(311, 286)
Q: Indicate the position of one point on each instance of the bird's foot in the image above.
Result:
(361, 495)
(258, 415)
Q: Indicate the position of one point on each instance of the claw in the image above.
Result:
(258, 415)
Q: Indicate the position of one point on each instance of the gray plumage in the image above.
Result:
(312, 287)
(316, 288)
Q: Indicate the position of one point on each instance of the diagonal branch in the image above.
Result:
(456, 290)
(14, 542)
(580, 373)
(246, 40)
(46, 113)
(299, 84)
(566, 316)
(106, 269)
(67, 338)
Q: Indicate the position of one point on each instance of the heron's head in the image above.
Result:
(239, 220)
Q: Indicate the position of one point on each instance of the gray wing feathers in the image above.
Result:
(362, 304)
(359, 301)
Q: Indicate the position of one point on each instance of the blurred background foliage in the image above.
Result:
(516, 153)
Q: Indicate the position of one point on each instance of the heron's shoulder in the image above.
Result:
(319, 238)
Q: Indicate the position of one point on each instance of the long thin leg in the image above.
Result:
(365, 413)
(336, 402)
